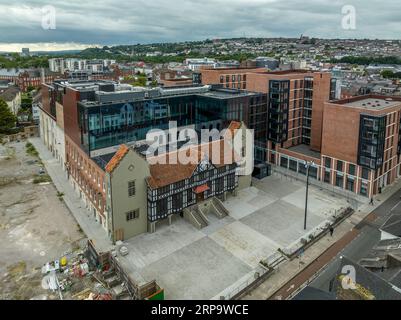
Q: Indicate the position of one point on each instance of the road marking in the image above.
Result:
(290, 288)
(395, 206)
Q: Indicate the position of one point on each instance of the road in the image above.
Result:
(367, 235)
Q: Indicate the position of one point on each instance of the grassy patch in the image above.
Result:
(17, 269)
(60, 195)
(11, 153)
(30, 149)
(5, 181)
(42, 179)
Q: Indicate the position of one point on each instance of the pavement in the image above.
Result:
(208, 263)
(368, 236)
(85, 219)
(324, 255)
(217, 260)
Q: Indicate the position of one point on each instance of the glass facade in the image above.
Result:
(279, 94)
(371, 141)
(111, 124)
(307, 111)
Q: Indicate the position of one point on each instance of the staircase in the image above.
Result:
(218, 208)
(197, 214)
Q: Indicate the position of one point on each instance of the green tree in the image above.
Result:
(7, 118)
(387, 74)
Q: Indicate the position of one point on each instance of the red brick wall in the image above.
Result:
(71, 127)
(340, 137)
(321, 94)
(86, 173)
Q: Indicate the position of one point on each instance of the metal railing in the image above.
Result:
(353, 199)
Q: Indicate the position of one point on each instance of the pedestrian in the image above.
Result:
(331, 231)
(371, 201)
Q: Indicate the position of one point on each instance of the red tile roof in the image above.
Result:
(201, 189)
(171, 170)
(114, 162)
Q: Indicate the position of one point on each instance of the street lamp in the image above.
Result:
(307, 166)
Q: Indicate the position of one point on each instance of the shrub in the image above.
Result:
(42, 179)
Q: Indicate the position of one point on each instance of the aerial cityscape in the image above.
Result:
(148, 155)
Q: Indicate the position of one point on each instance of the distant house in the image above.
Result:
(36, 104)
(12, 96)
(25, 78)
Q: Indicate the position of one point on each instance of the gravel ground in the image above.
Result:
(35, 225)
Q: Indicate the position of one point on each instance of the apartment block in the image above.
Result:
(361, 143)
(360, 146)
(295, 103)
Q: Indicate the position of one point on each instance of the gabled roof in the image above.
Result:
(166, 170)
(115, 161)
(9, 94)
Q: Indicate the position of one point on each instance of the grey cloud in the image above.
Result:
(145, 21)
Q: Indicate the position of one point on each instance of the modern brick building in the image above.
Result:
(295, 102)
(352, 143)
(25, 78)
(360, 145)
(96, 117)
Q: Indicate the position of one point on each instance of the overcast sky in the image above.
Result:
(107, 22)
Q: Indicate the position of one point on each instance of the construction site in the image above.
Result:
(45, 254)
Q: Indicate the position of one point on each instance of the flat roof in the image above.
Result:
(373, 103)
(305, 150)
(227, 93)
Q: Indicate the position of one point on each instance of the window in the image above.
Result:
(327, 162)
(284, 162)
(177, 201)
(221, 79)
(132, 215)
(339, 166)
(350, 184)
(327, 177)
(365, 173)
(352, 169)
(293, 165)
(364, 189)
(131, 188)
(339, 181)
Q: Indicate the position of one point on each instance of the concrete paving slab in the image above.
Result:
(281, 222)
(147, 248)
(248, 201)
(277, 186)
(198, 271)
(244, 243)
(317, 202)
(216, 224)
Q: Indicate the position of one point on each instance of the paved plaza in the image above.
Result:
(205, 264)
(201, 264)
